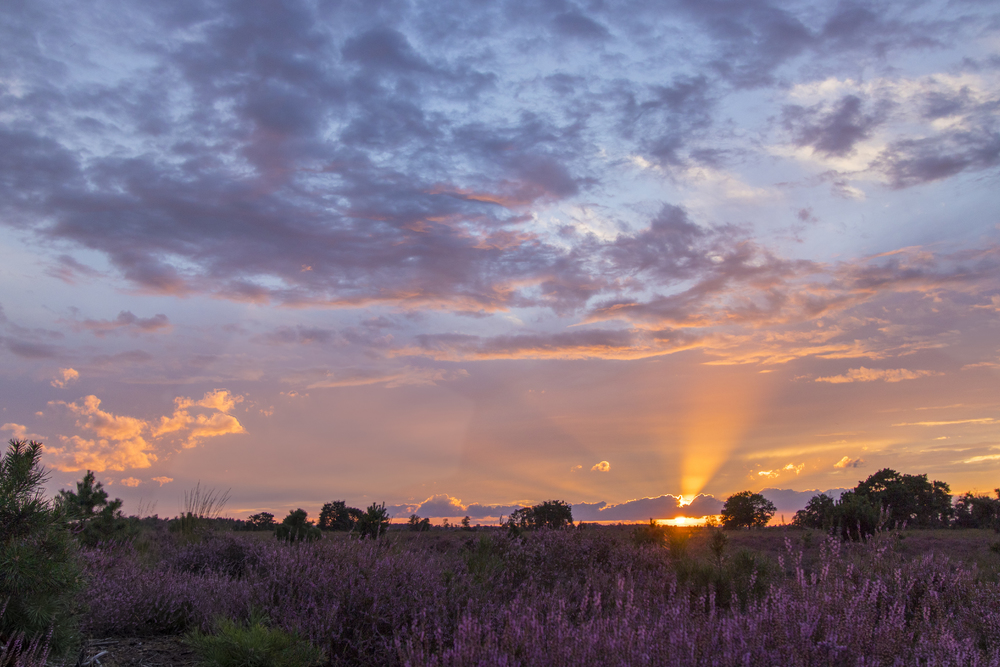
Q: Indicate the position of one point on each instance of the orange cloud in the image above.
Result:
(163, 480)
(120, 441)
(603, 466)
(131, 481)
(872, 374)
(848, 462)
(65, 377)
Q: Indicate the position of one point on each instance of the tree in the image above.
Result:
(374, 522)
(297, 528)
(40, 575)
(978, 511)
(417, 524)
(820, 512)
(856, 516)
(338, 516)
(95, 518)
(261, 521)
(549, 514)
(746, 509)
(908, 499)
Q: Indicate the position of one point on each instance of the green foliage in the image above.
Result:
(856, 516)
(820, 512)
(717, 545)
(417, 524)
(549, 514)
(94, 517)
(261, 521)
(338, 516)
(253, 645)
(297, 528)
(374, 522)
(39, 575)
(908, 499)
(747, 510)
(978, 511)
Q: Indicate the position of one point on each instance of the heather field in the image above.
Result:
(598, 595)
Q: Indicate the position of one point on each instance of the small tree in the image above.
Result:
(261, 521)
(96, 519)
(38, 572)
(338, 516)
(297, 528)
(820, 512)
(977, 511)
(374, 522)
(747, 510)
(549, 514)
(418, 524)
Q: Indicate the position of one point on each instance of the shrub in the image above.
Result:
(94, 517)
(374, 522)
(40, 575)
(649, 534)
(417, 524)
(296, 528)
(252, 645)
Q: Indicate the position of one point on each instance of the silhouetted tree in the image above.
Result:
(908, 499)
(260, 521)
(978, 511)
(418, 524)
(820, 512)
(374, 522)
(747, 509)
(549, 514)
(297, 528)
(338, 516)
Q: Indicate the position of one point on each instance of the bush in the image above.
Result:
(94, 517)
(253, 645)
(417, 524)
(295, 528)
(338, 516)
(374, 522)
(40, 575)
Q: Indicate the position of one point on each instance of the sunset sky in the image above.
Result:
(457, 256)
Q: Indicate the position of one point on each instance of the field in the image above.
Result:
(601, 595)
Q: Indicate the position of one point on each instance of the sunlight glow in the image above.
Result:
(722, 409)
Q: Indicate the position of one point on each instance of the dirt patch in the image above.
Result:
(166, 651)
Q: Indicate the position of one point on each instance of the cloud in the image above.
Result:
(791, 467)
(19, 431)
(953, 422)
(872, 374)
(65, 377)
(125, 321)
(131, 481)
(848, 462)
(641, 509)
(163, 480)
(405, 376)
(121, 442)
(603, 466)
(443, 505)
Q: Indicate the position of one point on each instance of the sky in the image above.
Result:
(460, 256)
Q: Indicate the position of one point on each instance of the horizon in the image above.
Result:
(466, 255)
